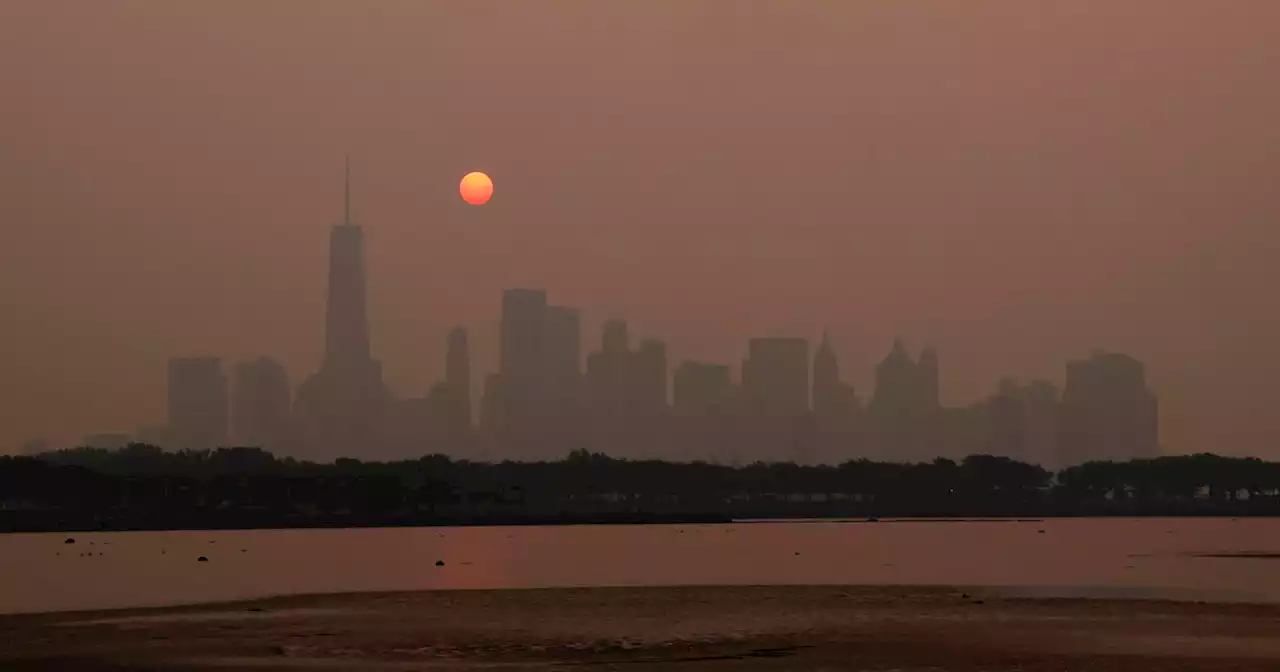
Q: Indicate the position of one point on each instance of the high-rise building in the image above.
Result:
(607, 404)
(1107, 411)
(704, 412)
(775, 376)
(828, 392)
(1023, 422)
(897, 383)
(700, 386)
(615, 341)
(560, 424)
(562, 357)
(646, 394)
(835, 409)
(341, 408)
(197, 414)
(261, 404)
(904, 414)
(625, 396)
(648, 379)
(520, 364)
(775, 388)
(492, 407)
(458, 380)
(540, 370)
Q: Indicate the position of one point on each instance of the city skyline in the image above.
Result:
(550, 395)
(547, 394)
(874, 169)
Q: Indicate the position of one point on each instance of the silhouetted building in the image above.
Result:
(562, 360)
(1107, 411)
(261, 402)
(903, 415)
(827, 390)
(540, 360)
(700, 386)
(775, 388)
(520, 367)
(961, 431)
(607, 398)
(341, 408)
(197, 414)
(458, 375)
(775, 376)
(897, 383)
(835, 409)
(615, 341)
(1024, 422)
(647, 385)
(492, 408)
(649, 377)
(704, 410)
(455, 418)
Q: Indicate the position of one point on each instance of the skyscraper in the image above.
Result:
(615, 341)
(520, 353)
(561, 381)
(835, 408)
(903, 414)
(197, 414)
(562, 356)
(775, 387)
(260, 404)
(648, 379)
(521, 369)
(540, 370)
(646, 385)
(827, 390)
(775, 376)
(897, 382)
(1023, 422)
(607, 402)
(458, 378)
(341, 407)
(1107, 411)
(704, 412)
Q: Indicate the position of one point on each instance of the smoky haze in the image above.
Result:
(1013, 183)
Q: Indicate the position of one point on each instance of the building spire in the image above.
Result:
(346, 189)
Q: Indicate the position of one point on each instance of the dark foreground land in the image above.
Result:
(712, 628)
(145, 488)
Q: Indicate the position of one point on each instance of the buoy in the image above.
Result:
(202, 559)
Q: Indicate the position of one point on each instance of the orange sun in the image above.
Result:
(476, 188)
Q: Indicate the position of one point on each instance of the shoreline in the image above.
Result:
(656, 628)
(8, 526)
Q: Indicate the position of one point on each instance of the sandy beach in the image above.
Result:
(751, 628)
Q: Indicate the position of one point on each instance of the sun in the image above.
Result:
(476, 188)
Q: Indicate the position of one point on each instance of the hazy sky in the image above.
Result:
(1016, 182)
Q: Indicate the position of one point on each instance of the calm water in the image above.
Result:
(1122, 557)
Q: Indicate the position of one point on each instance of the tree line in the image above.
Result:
(144, 487)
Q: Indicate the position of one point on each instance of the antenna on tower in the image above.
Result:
(346, 188)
